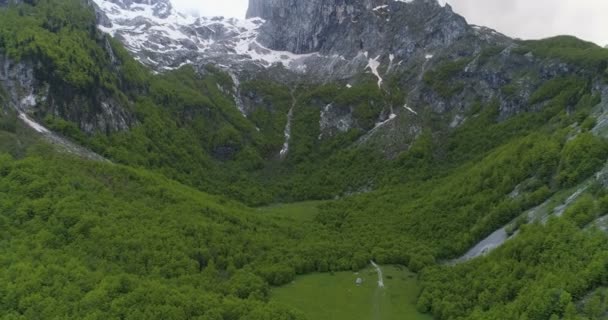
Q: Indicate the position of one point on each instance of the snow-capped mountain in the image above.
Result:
(165, 39)
(328, 39)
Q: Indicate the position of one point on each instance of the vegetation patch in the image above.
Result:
(338, 296)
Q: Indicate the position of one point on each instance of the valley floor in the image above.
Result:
(336, 296)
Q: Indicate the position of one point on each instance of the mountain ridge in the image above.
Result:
(260, 41)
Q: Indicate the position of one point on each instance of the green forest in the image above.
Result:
(170, 227)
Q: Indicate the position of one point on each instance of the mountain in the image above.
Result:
(327, 40)
(401, 28)
(168, 40)
(337, 41)
(360, 38)
(373, 83)
(164, 39)
(139, 146)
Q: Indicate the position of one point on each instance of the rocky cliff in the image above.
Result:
(30, 93)
(327, 39)
(346, 28)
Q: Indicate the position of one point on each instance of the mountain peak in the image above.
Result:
(323, 38)
(347, 27)
(268, 9)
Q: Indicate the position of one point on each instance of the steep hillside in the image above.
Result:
(94, 240)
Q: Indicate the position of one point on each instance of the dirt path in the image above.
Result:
(380, 277)
(379, 293)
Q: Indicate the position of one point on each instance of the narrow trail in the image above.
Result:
(379, 293)
(380, 277)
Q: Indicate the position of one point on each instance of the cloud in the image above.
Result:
(226, 8)
(538, 18)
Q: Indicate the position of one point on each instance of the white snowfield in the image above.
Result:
(141, 30)
(154, 31)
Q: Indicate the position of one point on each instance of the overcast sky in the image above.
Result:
(527, 19)
(226, 8)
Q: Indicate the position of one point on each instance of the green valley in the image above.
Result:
(267, 195)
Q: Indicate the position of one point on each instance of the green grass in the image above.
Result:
(335, 296)
(299, 211)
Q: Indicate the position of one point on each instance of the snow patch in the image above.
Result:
(428, 56)
(287, 131)
(28, 101)
(285, 148)
(410, 109)
(32, 124)
(349, 86)
(458, 120)
(247, 45)
(237, 95)
(380, 7)
(143, 31)
(373, 65)
(391, 117)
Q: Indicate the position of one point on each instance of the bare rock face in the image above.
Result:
(4, 3)
(316, 41)
(27, 94)
(324, 39)
(347, 27)
(19, 83)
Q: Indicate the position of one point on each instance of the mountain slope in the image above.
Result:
(108, 239)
